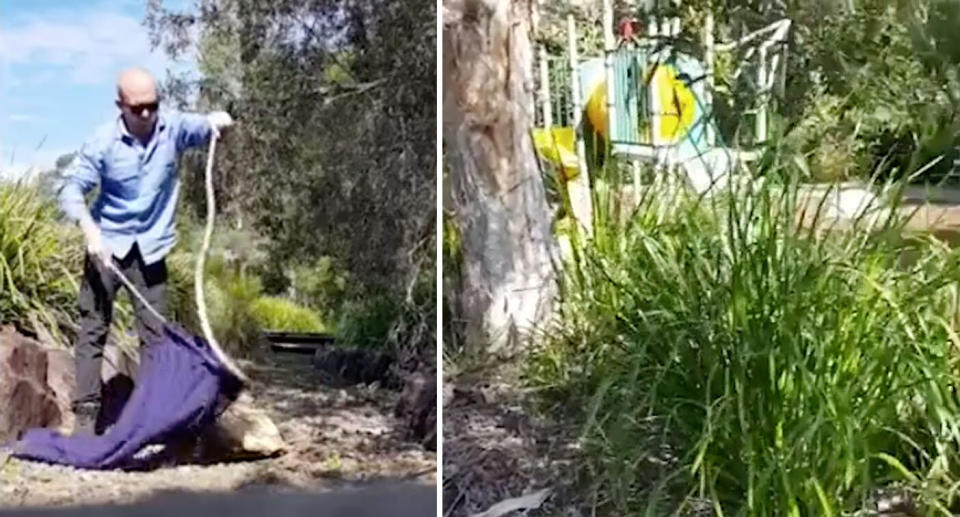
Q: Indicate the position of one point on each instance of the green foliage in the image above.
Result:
(239, 307)
(716, 356)
(870, 85)
(230, 306)
(366, 322)
(868, 102)
(319, 284)
(333, 155)
(334, 150)
(273, 313)
(38, 262)
(406, 325)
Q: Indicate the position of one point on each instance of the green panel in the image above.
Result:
(630, 94)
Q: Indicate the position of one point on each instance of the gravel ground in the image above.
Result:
(337, 438)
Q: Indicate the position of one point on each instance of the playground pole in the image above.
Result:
(634, 162)
(653, 30)
(709, 57)
(761, 121)
(579, 187)
(609, 46)
(673, 169)
(545, 103)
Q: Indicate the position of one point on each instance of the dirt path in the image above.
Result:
(338, 437)
(494, 448)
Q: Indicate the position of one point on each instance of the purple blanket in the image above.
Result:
(180, 387)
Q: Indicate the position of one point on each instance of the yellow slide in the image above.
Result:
(596, 108)
(674, 98)
(556, 145)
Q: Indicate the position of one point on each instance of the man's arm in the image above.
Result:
(195, 129)
(80, 177)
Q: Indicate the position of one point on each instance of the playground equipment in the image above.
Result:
(647, 101)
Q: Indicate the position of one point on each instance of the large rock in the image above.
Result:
(243, 431)
(35, 386)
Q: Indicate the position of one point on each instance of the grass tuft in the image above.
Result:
(730, 360)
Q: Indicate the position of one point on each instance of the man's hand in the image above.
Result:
(94, 240)
(218, 121)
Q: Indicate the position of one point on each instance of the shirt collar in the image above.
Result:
(123, 134)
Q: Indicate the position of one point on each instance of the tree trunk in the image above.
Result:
(499, 198)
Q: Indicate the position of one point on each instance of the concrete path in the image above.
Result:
(394, 499)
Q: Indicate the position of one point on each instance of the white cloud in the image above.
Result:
(20, 117)
(16, 165)
(93, 44)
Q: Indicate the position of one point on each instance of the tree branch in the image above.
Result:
(345, 91)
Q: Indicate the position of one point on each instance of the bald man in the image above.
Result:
(133, 158)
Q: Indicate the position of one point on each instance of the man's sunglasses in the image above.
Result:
(138, 108)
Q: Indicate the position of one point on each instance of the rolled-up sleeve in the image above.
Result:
(193, 129)
(80, 177)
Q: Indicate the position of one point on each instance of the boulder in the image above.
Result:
(243, 431)
(35, 385)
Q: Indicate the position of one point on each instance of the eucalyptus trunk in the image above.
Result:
(498, 195)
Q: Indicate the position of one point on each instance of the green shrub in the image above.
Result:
(870, 86)
(230, 300)
(230, 291)
(366, 322)
(181, 299)
(402, 323)
(319, 284)
(720, 358)
(274, 313)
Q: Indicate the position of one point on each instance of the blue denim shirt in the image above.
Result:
(139, 184)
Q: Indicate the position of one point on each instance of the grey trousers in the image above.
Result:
(97, 294)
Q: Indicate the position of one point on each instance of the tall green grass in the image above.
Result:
(725, 360)
(38, 262)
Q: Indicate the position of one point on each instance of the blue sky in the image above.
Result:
(58, 64)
